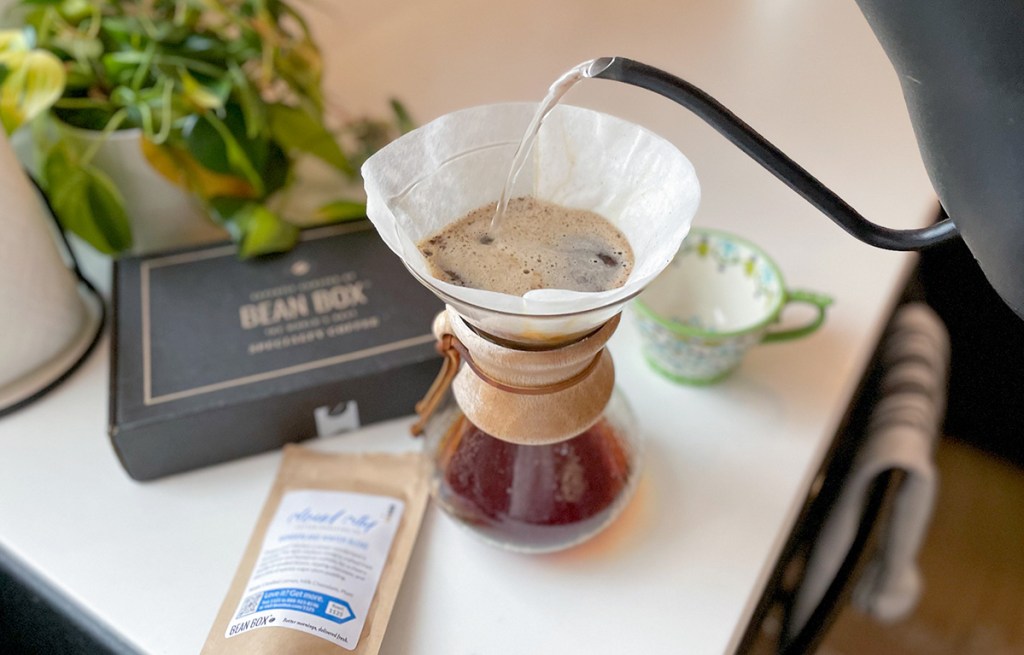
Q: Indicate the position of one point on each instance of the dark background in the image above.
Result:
(986, 384)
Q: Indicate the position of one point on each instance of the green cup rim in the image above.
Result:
(685, 330)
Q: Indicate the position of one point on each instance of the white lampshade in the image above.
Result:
(42, 313)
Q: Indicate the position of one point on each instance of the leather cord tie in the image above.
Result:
(454, 353)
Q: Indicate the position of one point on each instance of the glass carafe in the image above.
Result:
(533, 449)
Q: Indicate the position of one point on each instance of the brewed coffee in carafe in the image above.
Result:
(537, 498)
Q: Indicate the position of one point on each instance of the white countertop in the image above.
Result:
(727, 467)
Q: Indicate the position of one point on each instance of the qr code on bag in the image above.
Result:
(249, 605)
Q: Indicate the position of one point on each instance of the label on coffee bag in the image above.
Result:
(319, 565)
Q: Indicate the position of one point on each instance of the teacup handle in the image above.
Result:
(817, 300)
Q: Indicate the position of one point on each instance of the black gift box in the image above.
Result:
(214, 358)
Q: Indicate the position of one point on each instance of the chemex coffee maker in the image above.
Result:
(537, 452)
(532, 447)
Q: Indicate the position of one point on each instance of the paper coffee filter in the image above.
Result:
(582, 159)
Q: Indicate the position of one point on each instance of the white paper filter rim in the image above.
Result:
(582, 159)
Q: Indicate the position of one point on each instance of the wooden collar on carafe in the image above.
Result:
(455, 352)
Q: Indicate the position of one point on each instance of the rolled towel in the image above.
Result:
(901, 434)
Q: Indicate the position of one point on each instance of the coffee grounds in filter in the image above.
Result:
(540, 245)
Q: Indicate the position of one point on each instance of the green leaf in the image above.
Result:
(87, 202)
(212, 142)
(224, 208)
(80, 78)
(124, 96)
(120, 29)
(341, 210)
(87, 118)
(248, 99)
(73, 10)
(205, 145)
(296, 129)
(76, 45)
(275, 169)
(403, 121)
(299, 67)
(119, 67)
(256, 229)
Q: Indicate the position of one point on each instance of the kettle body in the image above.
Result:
(961, 67)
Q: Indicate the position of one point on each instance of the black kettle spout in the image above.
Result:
(772, 159)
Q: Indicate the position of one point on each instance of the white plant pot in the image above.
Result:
(44, 323)
(162, 215)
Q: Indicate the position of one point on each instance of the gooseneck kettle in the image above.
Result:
(961, 66)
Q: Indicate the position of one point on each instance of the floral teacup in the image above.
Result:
(718, 297)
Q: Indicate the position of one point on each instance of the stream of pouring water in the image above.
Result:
(555, 93)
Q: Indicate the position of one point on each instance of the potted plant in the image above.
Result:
(218, 97)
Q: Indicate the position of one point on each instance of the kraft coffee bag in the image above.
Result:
(326, 559)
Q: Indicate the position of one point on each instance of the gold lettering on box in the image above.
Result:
(272, 312)
(339, 297)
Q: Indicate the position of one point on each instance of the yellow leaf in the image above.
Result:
(179, 168)
(199, 95)
(13, 41)
(34, 82)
